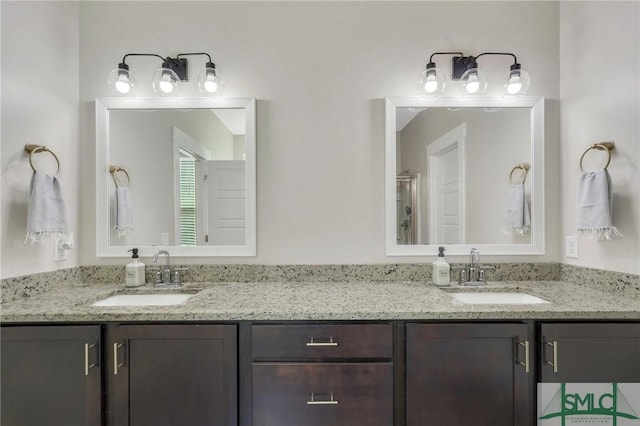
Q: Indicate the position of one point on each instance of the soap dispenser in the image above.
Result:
(441, 269)
(134, 271)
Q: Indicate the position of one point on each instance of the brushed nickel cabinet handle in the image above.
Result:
(330, 401)
(116, 365)
(313, 343)
(87, 366)
(525, 364)
(554, 364)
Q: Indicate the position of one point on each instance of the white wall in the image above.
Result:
(37, 37)
(600, 93)
(319, 71)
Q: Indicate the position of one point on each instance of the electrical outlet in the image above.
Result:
(164, 238)
(59, 253)
(571, 247)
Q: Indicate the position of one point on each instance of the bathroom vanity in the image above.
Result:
(308, 353)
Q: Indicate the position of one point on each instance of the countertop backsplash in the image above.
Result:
(608, 281)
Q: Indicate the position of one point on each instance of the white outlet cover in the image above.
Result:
(59, 253)
(571, 247)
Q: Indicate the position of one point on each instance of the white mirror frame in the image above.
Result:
(103, 178)
(535, 175)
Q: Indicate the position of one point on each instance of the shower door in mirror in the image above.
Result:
(407, 208)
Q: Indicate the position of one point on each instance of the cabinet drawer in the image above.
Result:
(322, 341)
(319, 394)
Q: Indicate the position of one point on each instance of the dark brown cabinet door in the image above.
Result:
(50, 376)
(468, 374)
(590, 353)
(178, 375)
(319, 394)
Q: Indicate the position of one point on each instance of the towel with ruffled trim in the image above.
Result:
(47, 216)
(124, 212)
(595, 206)
(517, 218)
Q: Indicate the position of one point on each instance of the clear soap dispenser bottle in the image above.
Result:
(134, 271)
(441, 269)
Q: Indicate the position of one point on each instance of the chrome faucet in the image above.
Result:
(471, 275)
(164, 274)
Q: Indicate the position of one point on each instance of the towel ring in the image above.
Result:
(34, 149)
(524, 167)
(602, 146)
(115, 169)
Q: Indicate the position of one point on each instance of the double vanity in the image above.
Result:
(309, 353)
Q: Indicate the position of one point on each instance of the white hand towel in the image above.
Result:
(124, 213)
(517, 219)
(593, 214)
(47, 217)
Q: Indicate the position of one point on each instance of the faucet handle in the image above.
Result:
(157, 274)
(176, 278)
(463, 276)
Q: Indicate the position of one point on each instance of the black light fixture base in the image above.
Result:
(460, 64)
(179, 66)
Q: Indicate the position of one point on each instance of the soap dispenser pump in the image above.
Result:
(134, 271)
(441, 269)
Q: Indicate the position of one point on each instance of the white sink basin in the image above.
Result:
(144, 300)
(491, 298)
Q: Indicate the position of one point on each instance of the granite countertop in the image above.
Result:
(321, 301)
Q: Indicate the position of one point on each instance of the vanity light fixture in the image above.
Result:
(168, 78)
(465, 69)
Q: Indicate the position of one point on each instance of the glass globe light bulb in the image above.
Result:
(166, 85)
(514, 85)
(474, 81)
(432, 80)
(165, 81)
(518, 81)
(122, 85)
(431, 84)
(473, 84)
(120, 80)
(208, 81)
(211, 85)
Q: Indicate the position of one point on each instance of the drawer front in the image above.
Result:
(324, 341)
(318, 394)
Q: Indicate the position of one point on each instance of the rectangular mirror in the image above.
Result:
(451, 170)
(188, 176)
